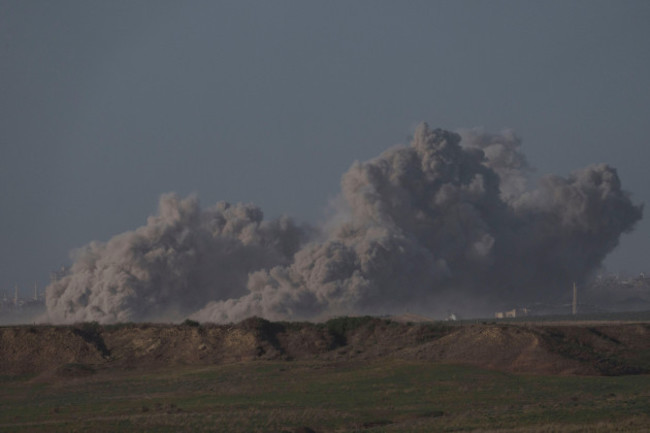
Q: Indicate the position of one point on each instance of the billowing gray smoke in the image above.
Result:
(442, 223)
(183, 258)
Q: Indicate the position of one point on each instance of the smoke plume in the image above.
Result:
(448, 221)
(181, 259)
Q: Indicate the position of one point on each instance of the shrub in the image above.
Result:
(191, 323)
(339, 327)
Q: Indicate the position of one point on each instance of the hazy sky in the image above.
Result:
(105, 105)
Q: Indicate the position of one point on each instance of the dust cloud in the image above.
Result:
(448, 222)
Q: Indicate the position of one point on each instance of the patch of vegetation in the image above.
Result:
(604, 336)
(384, 396)
(433, 331)
(607, 364)
(265, 330)
(91, 332)
(339, 327)
(120, 325)
(295, 326)
(191, 323)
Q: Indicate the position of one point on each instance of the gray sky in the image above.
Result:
(105, 105)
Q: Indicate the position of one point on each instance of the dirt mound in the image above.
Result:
(30, 349)
(511, 348)
(159, 345)
(74, 351)
(607, 349)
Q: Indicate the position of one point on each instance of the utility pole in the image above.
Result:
(574, 306)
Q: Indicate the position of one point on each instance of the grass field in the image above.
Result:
(274, 396)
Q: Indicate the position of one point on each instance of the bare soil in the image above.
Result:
(534, 348)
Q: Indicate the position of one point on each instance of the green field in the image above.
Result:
(274, 396)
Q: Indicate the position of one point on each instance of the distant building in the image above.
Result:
(17, 304)
(511, 314)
